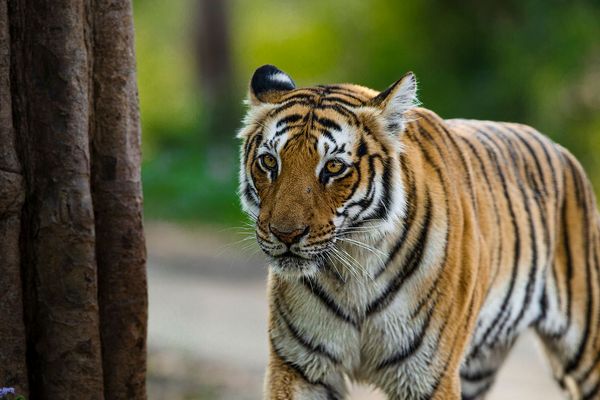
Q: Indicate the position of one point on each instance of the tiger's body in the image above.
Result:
(416, 268)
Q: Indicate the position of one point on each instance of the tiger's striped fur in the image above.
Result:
(417, 269)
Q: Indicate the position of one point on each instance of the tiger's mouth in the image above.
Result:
(290, 260)
(295, 259)
(290, 264)
(289, 254)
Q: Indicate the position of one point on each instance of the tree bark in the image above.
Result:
(72, 252)
(12, 195)
(118, 202)
(50, 85)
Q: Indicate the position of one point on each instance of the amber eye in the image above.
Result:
(269, 162)
(334, 167)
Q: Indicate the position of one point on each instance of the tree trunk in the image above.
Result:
(118, 202)
(216, 70)
(13, 370)
(80, 251)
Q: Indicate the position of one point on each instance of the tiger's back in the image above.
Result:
(543, 244)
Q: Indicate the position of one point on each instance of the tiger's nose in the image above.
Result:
(289, 237)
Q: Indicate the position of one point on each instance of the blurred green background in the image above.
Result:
(530, 61)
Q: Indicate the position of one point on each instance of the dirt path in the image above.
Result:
(208, 324)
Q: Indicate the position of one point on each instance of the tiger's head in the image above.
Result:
(320, 165)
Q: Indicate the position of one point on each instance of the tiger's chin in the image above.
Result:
(293, 267)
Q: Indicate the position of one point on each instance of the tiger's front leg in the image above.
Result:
(449, 388)
(418, 386)
(286, 381)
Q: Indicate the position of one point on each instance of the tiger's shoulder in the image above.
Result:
(511, 139)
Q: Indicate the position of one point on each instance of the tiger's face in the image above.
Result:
(319, 166)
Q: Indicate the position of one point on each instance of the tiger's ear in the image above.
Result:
(395, 101)
(268, 84)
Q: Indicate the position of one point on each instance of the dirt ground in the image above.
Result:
(207, 328)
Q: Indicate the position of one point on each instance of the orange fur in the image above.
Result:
(499, 233)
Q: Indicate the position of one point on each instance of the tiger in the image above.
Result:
(409, 252)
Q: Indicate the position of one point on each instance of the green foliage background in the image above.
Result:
(530, 61)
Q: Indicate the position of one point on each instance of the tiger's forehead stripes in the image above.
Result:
(343, 99)
(303, 120)
(326, 111)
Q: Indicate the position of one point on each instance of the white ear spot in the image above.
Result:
(395, 101)
(281, 77)
(267, 80)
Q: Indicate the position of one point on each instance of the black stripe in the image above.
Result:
(441, 129)
(328, 135)
(535, 136)
(306, 343)
(352, 119)
(558, 214)
(346, 92)
(593, 393)
(382, 210)
(250, 194)
(477, 393)
(579, 190)
(398, 246)
(328, 123)
(543, 221)
(408, 221)
(543, 304)
(410, 266)
(440, 333)
(517, 245)
(427, 298)
(478, 376)
(313, 287)
(362, 148)
(574, 362)
(445, 369)
(288, 120)
(592, 368)
(292, 141)
(569, 266)
(339, 100)
(306, 92)
(533, 155)
(499, 242)
(365, 202)
(568, 252)
(332, 394)
(283, 130)
(355, 186)
(254, 141)
(301, 94)
(517, 159)
(289, 104)
(412, 347)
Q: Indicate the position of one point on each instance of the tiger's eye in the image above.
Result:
(269, 161)
(334, 167)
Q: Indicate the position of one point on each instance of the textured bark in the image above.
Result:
(72, 255)
(13, 368)
(51, 109)
(118, 202)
